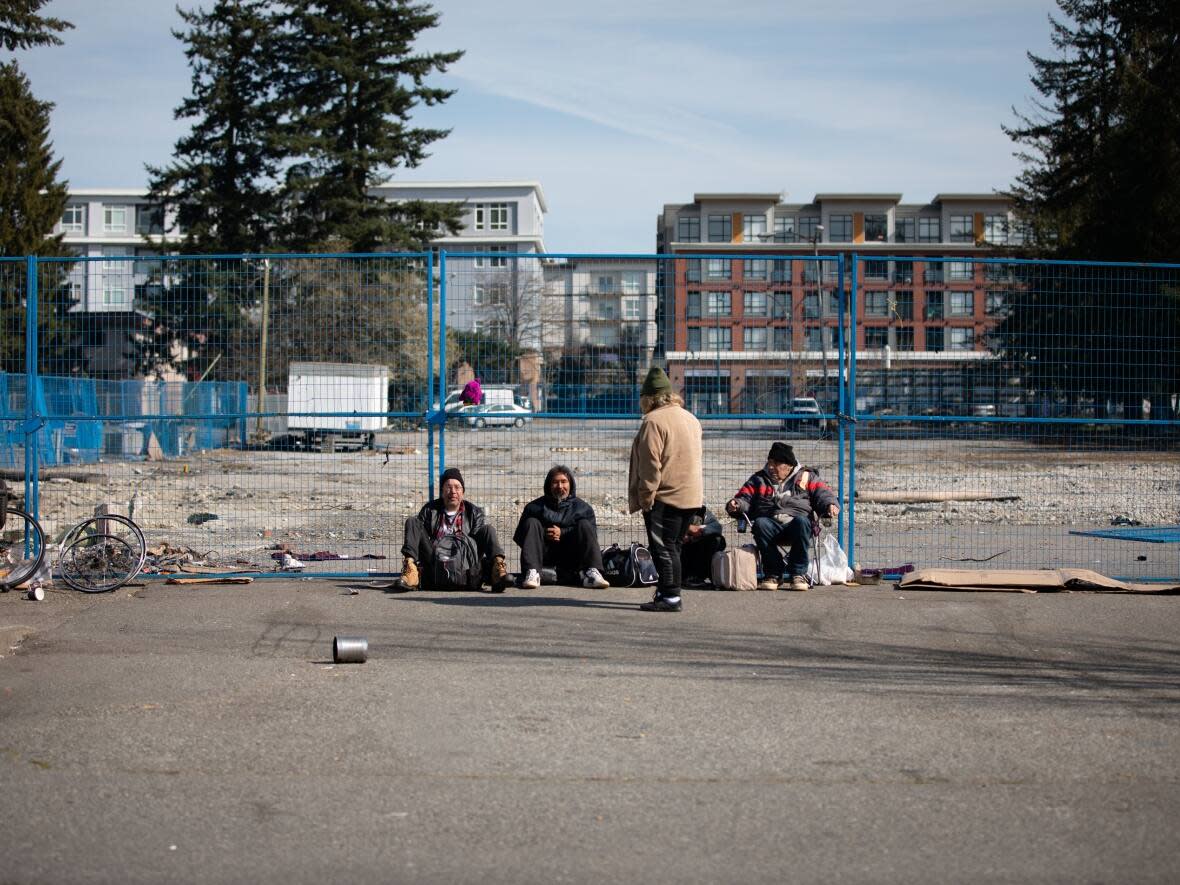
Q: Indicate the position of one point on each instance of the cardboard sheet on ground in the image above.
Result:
(1025, 581)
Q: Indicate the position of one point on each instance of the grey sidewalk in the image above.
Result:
(202, 734)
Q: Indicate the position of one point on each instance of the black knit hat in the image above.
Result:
(451, 473)
(783, 454)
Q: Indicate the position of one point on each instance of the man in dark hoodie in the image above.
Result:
(781, 500)
(558, 529)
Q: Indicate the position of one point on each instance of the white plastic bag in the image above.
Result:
(833, 563)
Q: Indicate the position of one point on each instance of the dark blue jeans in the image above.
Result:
(666, 526)
(770, 534)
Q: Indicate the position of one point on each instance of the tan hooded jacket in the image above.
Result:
(666, 461)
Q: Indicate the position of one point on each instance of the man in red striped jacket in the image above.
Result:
(781, 501)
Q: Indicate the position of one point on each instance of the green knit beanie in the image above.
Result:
(656, 382)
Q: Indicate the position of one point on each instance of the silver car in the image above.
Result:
(496, 415)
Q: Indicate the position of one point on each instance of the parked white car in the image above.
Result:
(496, 415)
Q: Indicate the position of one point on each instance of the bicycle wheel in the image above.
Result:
(101, 554)
(22, 547)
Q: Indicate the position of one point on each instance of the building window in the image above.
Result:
(996, 304)
(1017, 233)
(832, 303)
(929, 230)
(840, 230)
(962, 304)
(933, 310)
(149, 219)
(876, 269)
(876, 337)
(116, 278)
(995, 229)
(809, 228)
(756, 304)
(717, 338)
(782, 338)
(754, 338)
(962, 229)
(875, 228)
(720, 228)
(73, 220)
(903, 271)
(632, 282)
(604, 310)
(114, 219)
(902, 304)
(905, 230)
(688, 229)
(814, 338)
(780, 305)
(876, 304)
(717, 268)
(754, 228)
(998, 273)
(935, 338)
(632, 308)
(960, 270)
(606, 285)
(491, 216)
(811, 271)
(784, 228)
(692, 270)
(755, 269)
(494, 258)
(811, 305)
(718, 304)
(903, 338)
(693, 306)
(694, 338)
(932, 272)
(961, 339)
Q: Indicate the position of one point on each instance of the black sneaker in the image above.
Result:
(659, 604)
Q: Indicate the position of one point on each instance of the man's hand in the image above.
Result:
(693, 533)
(833, 509)
(553, 533)
(731, 507)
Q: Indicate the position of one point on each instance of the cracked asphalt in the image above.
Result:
(202, 733)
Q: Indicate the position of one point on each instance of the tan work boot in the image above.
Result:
(409, 578)
(768, 583)
(799, 583)
(499, 574)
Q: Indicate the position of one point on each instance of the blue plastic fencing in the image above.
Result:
(967, 409)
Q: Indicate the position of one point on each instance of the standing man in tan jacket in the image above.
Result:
(665, 481)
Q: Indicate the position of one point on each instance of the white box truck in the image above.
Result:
(337, 388)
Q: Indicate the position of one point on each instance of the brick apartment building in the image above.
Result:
(747, 333)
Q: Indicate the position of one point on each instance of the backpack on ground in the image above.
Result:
(629, 566)
(455, 564)
(735, 568)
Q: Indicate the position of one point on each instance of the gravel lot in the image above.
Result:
(354, 503)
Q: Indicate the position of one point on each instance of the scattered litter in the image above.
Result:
(287, 562)
(879, 573)
(975, 559)
(1123, 519)
(320, 555)
(350, 649)
(929, 497)
(201, 518)
(211, 580)
(36, 594)
(569, 449)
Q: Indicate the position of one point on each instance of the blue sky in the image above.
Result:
(620, 106)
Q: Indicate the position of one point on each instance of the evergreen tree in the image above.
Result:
(31, 197)
(222, 179)
(351, 79)
(1101, 180)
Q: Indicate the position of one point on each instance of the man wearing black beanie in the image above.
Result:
(451, 514)
(781, 501)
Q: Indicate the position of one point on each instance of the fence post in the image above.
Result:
(33, 422)
(851, 510)
(442, 367)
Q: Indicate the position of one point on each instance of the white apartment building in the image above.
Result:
(607, 303)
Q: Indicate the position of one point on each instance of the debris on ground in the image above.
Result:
(201, 518)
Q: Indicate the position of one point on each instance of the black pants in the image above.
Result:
(577, 550)
(696, 557)
(666, 526)
(419, 546)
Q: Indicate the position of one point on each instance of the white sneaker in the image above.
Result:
(532, 579)
(592, 577)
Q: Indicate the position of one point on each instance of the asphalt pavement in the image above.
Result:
(203, 733)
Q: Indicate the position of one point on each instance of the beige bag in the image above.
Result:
(735, 568)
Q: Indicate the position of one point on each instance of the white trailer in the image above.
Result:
(331, 389)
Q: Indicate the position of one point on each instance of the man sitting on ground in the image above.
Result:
(558, 529)
(449, 514)
(781, 500)
(701, 540)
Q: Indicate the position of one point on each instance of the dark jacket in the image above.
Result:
(565, 513)
(804, 495)
(431, 516)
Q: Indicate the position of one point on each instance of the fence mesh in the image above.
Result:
(968, 411)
